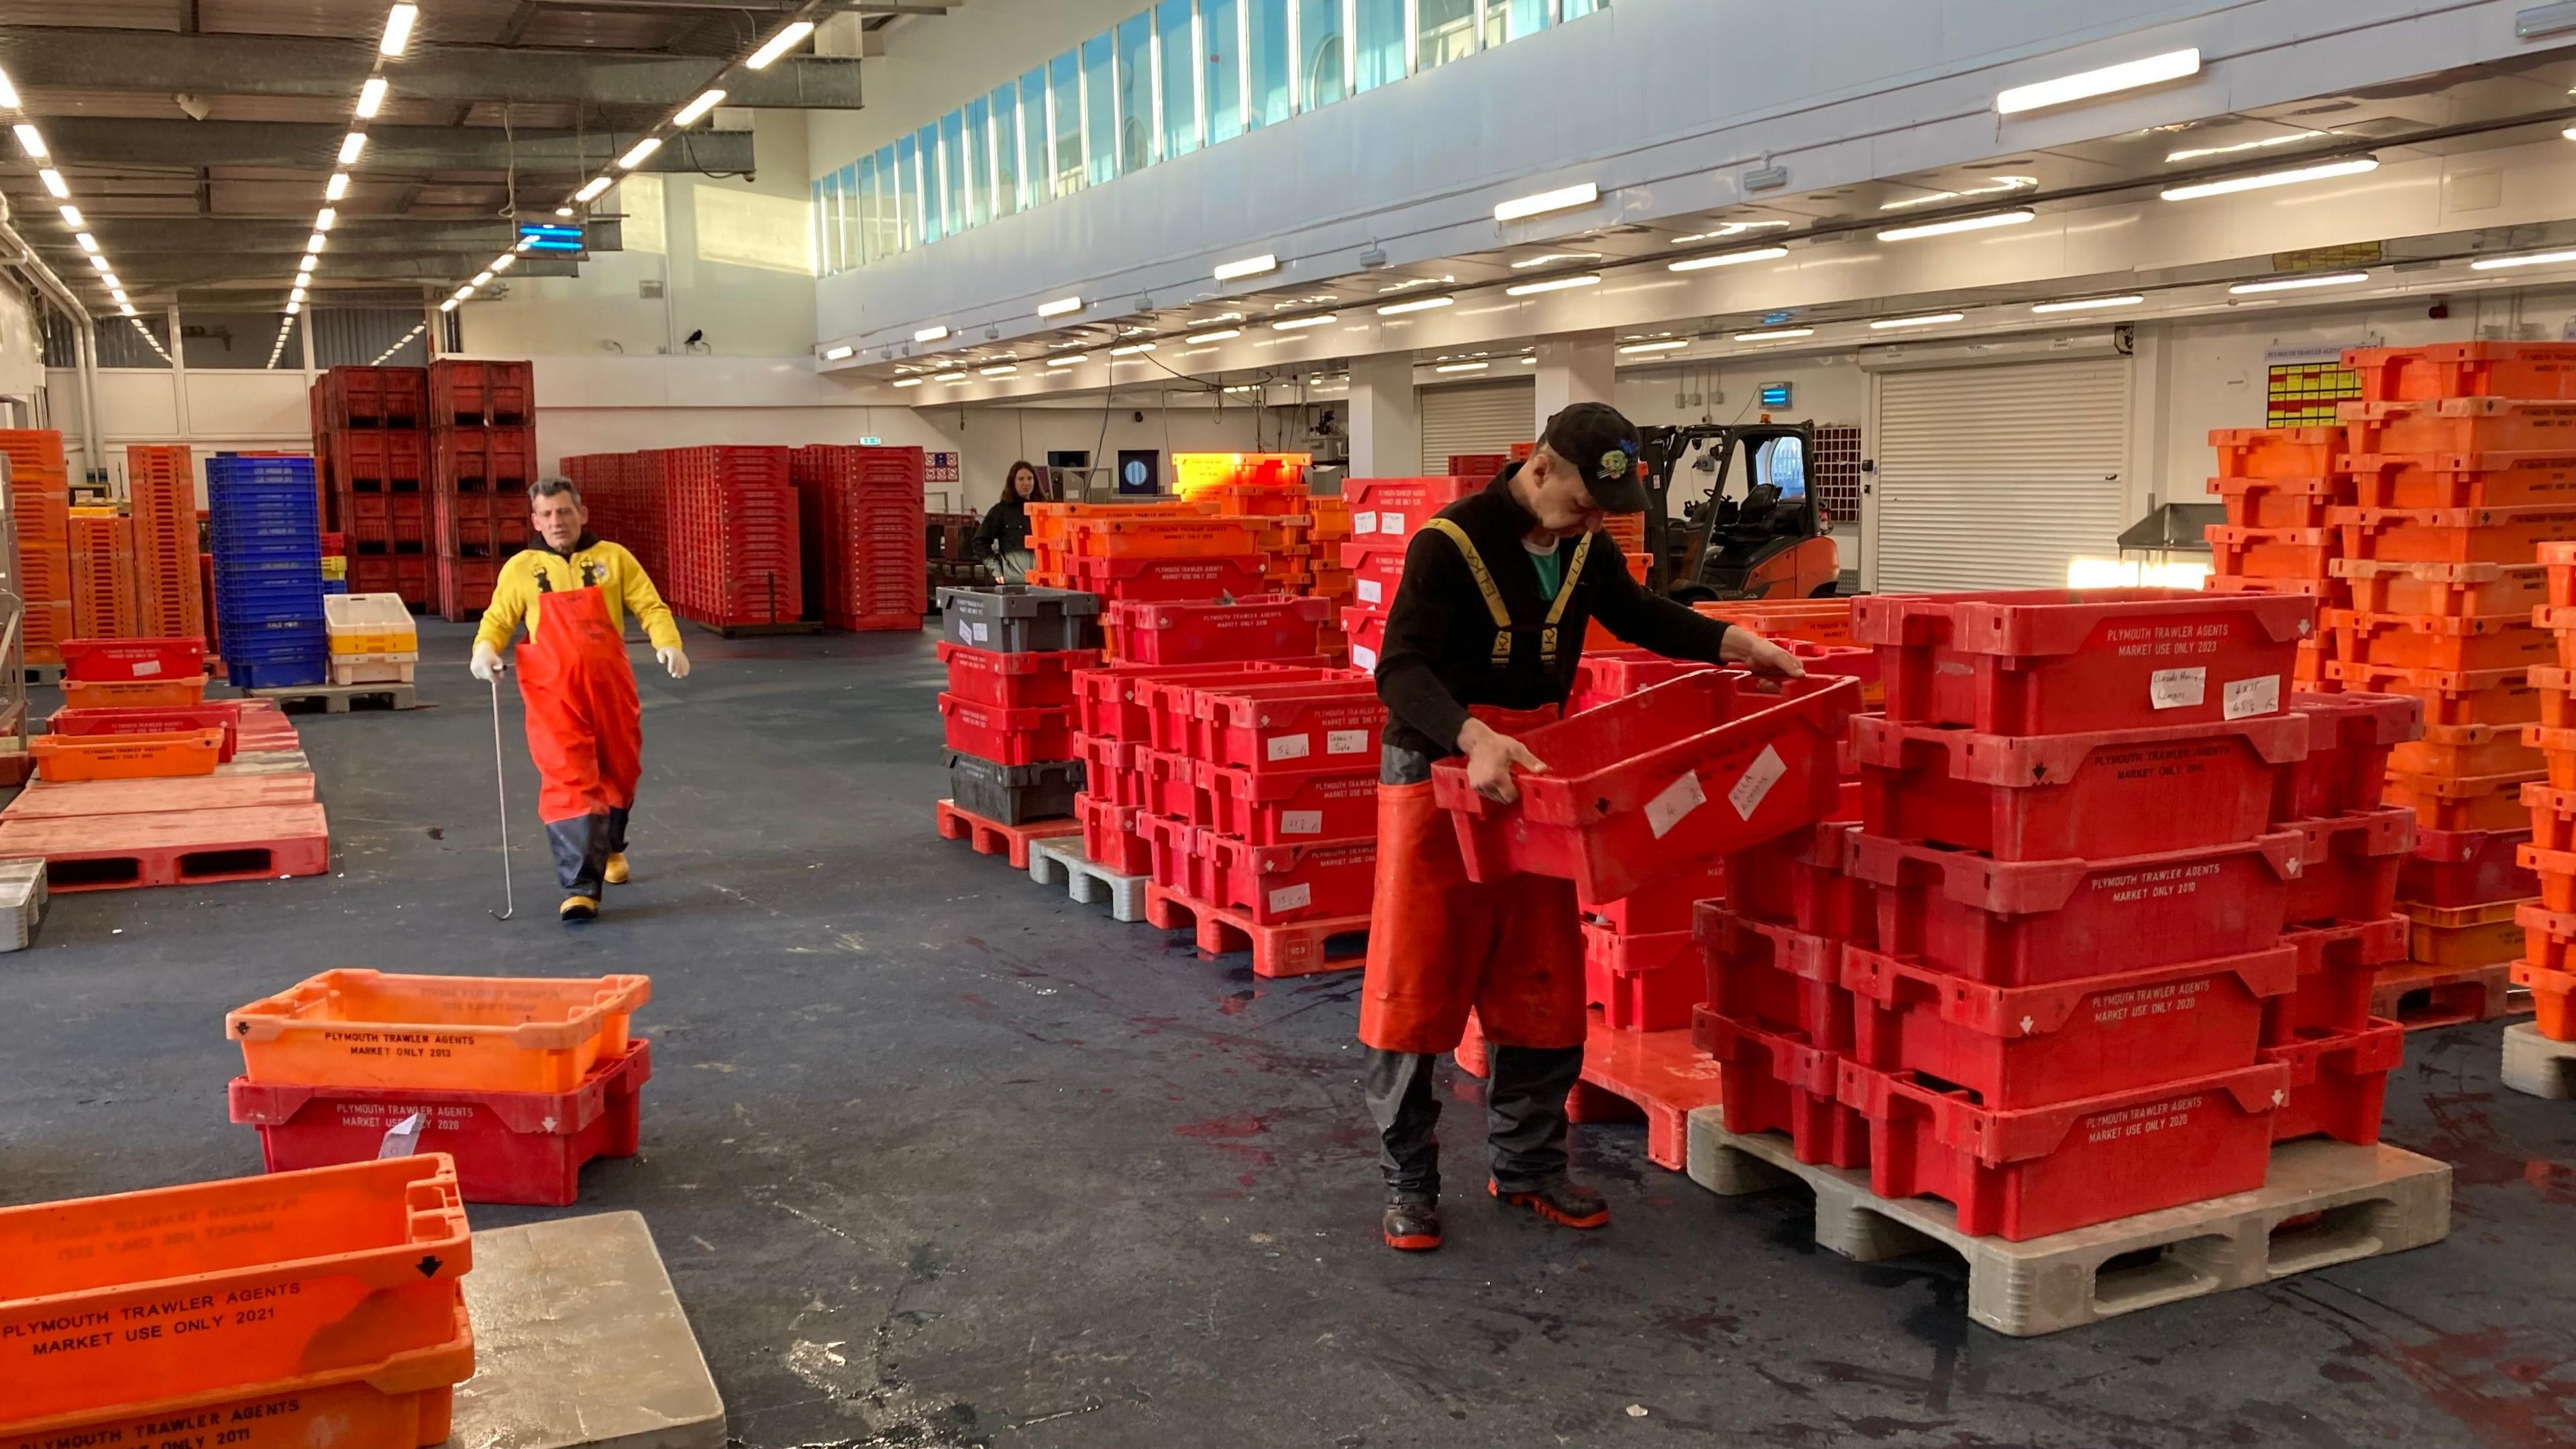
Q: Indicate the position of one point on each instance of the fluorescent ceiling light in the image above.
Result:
(1464, 367)
(325, 219)
(636, 153)
(1560, 284)
(2002, 184)
(398, 22)
(1222, 334)
(835, 354)
(1298, 324)
(931, 334)
(2233, 184)
(2087, 304)
(53, 180)
(293, 307)
(1758, 254)
(951, 378)
(338, 187)
(591, 190)
(2569, 133)
(464, 292)
(525, 242)
(1986, 222)
(1732, 228)
(910, 381)
(1564, 198)
(98, 261)
(2173, 65)
(1131, 350)
(125, 309)
(1427, 304)
(1546, 257)
(563, 211)
(8, 92)
(307, 262)
(350, 145)
(296, 294)
(371, 97)
(315, 242)
(1005, 370)
(30, 140)
(779, 44)
(2299, 284)
(2527, 259)
(87, 242)
(447, 306)
(2201, 153)
(71, 216)
(1076, 360)
(117, 292)
(1673, 346)
(1060, 307)
(690, 114)
(1248, 267)
(505, 261)
(1932, 320)
(482, 277)
(110, 280)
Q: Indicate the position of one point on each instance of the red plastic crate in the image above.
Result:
(1617, 673)
(375, 461)
(2337, 965)
(466, 391)
(1110, 836)
(1268, 627)
(2460, 425)
(1665, 907)
(1291, 725)
(2031, 1046)
(1126, 580)
(1365, 631)
(2050, 661)
(1376, 570)
(2276, 452)
(133, 659)
(2024, 1173)
(1773, 1082)
(1384, 509)
(1172, 786)
(1007, 736)
(1116, 700)
(1287, 809)
(2350, 865)
(1641, 1001)
(2338, 1082)
(1647, 787)
(2042, 922)
(1111, 770)
(1798, 879)
(1173, 848)
(510, 1147)
(2453, 868)
(2465, 369)
(465, 586)
(500, 460)
(1014, 681)
(2104, 793)
(1280, 885)
(1774, 977)
(2349, 740)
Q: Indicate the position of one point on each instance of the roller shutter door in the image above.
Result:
(1486, 418)
(1994, 477)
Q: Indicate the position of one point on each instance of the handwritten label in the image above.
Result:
(1678, 799)
(1289, 898)
(1759, 777)
(980, 632)
(1301, 822)
(1363, 523)
(2178, 688)
(1289, 747)
(1346, 742)
(1371, 591)
(146, 668)
(2246, 697)
(1363, 657)
(1392, 523)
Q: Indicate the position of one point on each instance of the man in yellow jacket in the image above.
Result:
(585, 727)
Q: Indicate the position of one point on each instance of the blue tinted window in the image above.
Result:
(907, 194)
(934, 195)
(1006, 150)
(1321, 76)
(1177, 30)
(845, 219)
(822, 258)
(979, 162)
(1221, 57)
(1136, 133)
(954, 166)
(1517, 17)
(1036, 170)
(889, 238)
(1575, 8)
(1448, 32)
(868, 233)
(1099, 109)
(1271, 70)
(1380, 40)
(1064, 95)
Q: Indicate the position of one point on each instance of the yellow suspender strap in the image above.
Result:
(1502, 616)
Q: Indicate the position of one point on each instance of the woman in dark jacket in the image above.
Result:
(1003, 536)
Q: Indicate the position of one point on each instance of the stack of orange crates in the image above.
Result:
(161, 481)
(2462, 458)
(102, 556)
(40, 493)
(1330, 579)
(2549, 921)
(2277, 485)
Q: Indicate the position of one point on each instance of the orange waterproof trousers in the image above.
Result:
(585, 727)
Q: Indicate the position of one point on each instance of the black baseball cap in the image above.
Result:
(1602, 444)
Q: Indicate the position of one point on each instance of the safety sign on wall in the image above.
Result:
(942, 468)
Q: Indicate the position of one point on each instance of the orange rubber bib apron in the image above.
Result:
(585, 728)
(1440, 944)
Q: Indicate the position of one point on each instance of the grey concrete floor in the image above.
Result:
(938, 1158)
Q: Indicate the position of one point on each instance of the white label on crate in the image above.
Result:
(1759, 777)
(1301, 822)
(1371, 591)
(1678, 799)
(146, 667)
(1363, 523)
(2248, 697)
(1364, 657)
(982, 632)
(1289, 898)
(2177, 688)
(1346, 742)
(1289, 747)
(1390, 523)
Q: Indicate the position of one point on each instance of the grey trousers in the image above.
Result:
(1524, 1101)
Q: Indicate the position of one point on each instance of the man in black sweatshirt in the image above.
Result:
(1481, 643)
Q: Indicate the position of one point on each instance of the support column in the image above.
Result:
(1572, 368)
(1386, 417)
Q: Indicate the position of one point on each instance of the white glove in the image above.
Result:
(674, 659)
(487, 665)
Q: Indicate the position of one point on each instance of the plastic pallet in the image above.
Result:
(42, 800)
(1085, 880)
(337, 698)
(993, 838)
(2322, 1203)
(2420, 996)
(184, 847)
(1660, 1075)
(1307, 948)
(2536, 1066)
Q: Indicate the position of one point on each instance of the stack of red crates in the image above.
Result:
(482, 457)
(1162, 552)
(1385, 514)
(103, 598)
(161, 481)
(860, 518)
(371, 451)
(715, 527)
(2124, 892)
(40, 493)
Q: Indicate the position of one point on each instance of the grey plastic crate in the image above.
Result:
(1014, 794)
(1017, 619)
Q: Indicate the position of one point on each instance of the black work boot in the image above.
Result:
(1411, 1225)
(1559, 1200)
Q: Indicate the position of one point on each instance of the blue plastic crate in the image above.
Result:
(335, 586)
(260, 567)
(234, 468)
(276, 674)
(253, 642)
(270, 610)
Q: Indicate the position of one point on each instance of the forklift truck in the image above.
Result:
(1766, 540)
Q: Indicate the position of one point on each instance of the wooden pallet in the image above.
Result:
(1085, 879)
(337, 698)
(991, 837)
(179, 847)
(44, 800)
(1308, 948)
(2537, 1066)
(267, 762)
(2422, 996)
(1657, 1076)
(2323, 1203)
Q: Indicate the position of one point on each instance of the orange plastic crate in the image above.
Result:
(2469, 802)
(2280, 502)
(471, 1033)
(2277, 452)
(2451, 696)
(1164, 538)
(1817, 621)
(2453, 535)
(2557, 751)
(2460, 425)
(111, 1302)
(2481, 935)
(2461, 480)
(2465, 750)
(2272, 553)
(65, 758)
(86, 693)
(2447, 589)
(2439, 641)
(2556, 870)
(2465, 369)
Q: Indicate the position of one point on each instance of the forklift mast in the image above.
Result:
(1757, 533)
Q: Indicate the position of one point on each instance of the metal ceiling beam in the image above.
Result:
(280, 65)
(159, 273)
(125, 141)
(358, 236)
(753, 7)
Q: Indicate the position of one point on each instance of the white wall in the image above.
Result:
(1826, 388)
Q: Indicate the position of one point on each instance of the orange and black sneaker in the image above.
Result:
(1411, 1227)
(1561, 1202)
